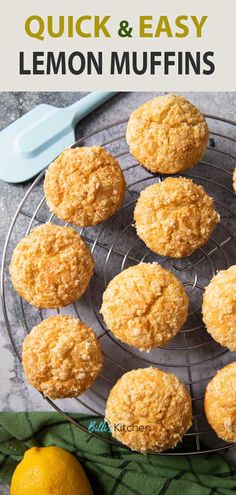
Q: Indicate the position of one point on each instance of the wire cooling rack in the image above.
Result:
(193, 356)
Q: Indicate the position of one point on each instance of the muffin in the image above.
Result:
(234, 179)
(220, 403)
(84, 186)
(51, 267)
(145, 306)
(175, 217)
(61, 357)
(149, 410)
(167, 134)
(219, 308)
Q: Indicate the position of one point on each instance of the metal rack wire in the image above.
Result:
(192, 355)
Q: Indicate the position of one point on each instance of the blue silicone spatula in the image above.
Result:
(29, 144)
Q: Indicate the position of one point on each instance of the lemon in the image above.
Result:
(49, 471)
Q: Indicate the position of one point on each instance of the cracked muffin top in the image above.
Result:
(62, 357)
(175, 217)
(145, 306)
(167, 134)
(84, 186)
(149, 410)
(51, 267)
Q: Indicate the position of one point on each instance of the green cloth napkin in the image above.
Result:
(112, 469)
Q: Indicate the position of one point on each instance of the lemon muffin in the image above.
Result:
(234, 179)
(219, 308)
(149, 410)
(84, 186)
(145, 306)
(51, 267)
(167, 134)
(220, 403)
(61, 357)
(175, 217)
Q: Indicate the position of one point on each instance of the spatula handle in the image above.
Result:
(83, 107)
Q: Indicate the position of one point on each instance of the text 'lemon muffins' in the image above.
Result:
(145, 306)
(61, 357)
(175, 217)
(149, 410)
(51, 267)
(219, 308)
(167, 134)
(220, 403)
(84, 186)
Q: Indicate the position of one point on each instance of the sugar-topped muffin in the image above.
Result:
(52, 266)
(175, 217)
(145, 306)
(149, 410)
(219, 308)
(220, 403)
(62, 357)
(234, 179)
(167, 134)
(84, 186)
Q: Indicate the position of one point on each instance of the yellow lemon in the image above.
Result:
(49, 470)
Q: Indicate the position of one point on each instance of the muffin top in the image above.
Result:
(175, 217)
(219, 308)
(145, 306)
(61, 357)
(234, 179)
(149, 410)
(52, 266)
(84, 186)
(167, 134)
(220, 403)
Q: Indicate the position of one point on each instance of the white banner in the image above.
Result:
(82, 46)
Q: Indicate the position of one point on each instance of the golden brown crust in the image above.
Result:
(234, 179)
(51, 267)
(219, 308)
(145, 306)
(62, 357)
(167, 134)
(220, 403)
(84, 186)
(175, 217)
(152, 399)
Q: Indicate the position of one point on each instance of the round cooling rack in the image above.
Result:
(193, 356)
